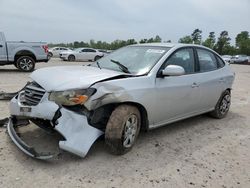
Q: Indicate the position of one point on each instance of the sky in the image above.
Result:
(107, 20)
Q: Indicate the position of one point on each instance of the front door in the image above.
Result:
(211, 78)
(177, 97)
(3, 53)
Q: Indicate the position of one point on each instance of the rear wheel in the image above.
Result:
(25, 63)
(122, 129)
(96, 58)
(50, 55)
(71, 58)
(222, 106)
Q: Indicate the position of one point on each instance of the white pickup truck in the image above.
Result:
(23, 55)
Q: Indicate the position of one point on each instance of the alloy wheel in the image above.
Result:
(130, 130)
(26, 64)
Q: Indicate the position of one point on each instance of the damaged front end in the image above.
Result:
(33, 104)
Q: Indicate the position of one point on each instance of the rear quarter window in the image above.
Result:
(220, 62)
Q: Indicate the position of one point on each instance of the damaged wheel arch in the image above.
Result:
(102, 115)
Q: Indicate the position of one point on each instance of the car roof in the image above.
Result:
(168, 45)
(85, 48)
(174, 45)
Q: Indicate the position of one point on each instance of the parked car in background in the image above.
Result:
(23, 55)
(138, 87)
(81, 54)
(240, 59)
(105, 52)
(55, 52)
(227, 58)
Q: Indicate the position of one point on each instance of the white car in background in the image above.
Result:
(105, 52)
(227, 58)
(81, 54)
(240, 59)
(54, 52)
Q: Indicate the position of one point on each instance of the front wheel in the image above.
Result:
(122, 129)
(25, 63)
(71, 58)
(222, 106)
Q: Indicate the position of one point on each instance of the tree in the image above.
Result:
(210, 41)
(223, 43)
(131, 41)
(186, 40)
(157, 38)
(151, 40)
(196, 36)
(76, 44)
(243, 42)
(142, 41)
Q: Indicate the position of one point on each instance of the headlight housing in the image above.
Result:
(71, 97)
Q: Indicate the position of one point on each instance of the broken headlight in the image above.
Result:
(71, 97)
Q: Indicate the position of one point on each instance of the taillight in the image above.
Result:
(46, 48)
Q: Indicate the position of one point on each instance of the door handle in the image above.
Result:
(1, 45)
(194, 85)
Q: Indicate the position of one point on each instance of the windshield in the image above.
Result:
(136, 60)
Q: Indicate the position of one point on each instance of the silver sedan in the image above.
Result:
(139, 87)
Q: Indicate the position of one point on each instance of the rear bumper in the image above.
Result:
(79, 135)
(42, 60)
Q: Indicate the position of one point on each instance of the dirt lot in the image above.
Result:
(198, 152)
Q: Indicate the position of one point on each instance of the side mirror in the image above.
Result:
(173, 70)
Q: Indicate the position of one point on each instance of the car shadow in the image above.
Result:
(10, 70)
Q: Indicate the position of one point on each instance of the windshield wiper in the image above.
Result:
(121, 66)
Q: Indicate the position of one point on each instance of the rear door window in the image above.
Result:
(207, 60)
(91, 50)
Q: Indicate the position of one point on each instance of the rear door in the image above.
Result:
(211, 78)
(3, 52)
(84, 55)
(92, 54)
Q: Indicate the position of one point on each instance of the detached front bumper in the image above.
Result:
(23, 146)
(79, 135)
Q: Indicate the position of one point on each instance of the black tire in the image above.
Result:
(50, 55)
(122, 129)
(71, 58)
(15, 64)
(222, 106)
(25, 64)
(97, 57)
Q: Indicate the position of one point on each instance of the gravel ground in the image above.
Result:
(197, 152)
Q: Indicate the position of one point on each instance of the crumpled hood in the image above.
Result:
(71, 77)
